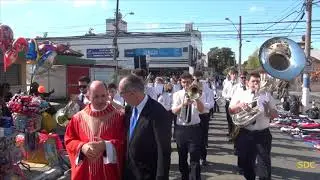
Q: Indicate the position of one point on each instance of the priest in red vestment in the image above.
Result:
(95, 138)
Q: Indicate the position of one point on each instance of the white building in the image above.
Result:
(164, 51)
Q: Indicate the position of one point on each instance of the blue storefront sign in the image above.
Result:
(100, 53)
(154, 52)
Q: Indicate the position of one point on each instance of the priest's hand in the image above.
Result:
(88, 151)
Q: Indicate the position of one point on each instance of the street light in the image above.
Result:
(115, 39)
(240, 40)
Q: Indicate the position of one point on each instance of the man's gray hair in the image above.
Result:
(133, 83)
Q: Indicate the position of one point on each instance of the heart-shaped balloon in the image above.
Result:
(20, 44)
(10, 57)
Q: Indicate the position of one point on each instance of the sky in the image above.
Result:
(31, 18)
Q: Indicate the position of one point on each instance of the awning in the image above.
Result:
(72, 60)
(67, 60)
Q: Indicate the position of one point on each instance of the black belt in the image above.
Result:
(255, 131)
(189, 126)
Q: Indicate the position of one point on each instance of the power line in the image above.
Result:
(301, 14)
(299, 3)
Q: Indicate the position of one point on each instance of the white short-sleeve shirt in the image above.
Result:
(262, 122)
(178, 98)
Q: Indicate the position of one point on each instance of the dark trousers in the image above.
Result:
(216, 107)
(174, 125)
(229, 119)
(205, 130)
(252, 146)
(188, 140)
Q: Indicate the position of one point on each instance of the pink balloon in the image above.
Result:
(20, 44)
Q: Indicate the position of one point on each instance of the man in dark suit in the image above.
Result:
(149, 133)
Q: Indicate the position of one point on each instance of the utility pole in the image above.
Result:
(115, 42)
(306, 76)
(240, 42)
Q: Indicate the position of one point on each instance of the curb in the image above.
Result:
(51, 174)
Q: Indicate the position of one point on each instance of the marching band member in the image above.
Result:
(176, 84)
(159, 86)
(254, 141)
(166, 97)
(188, 130)
(115, 99)
(208, 103)
(148, 90)
(227, 93)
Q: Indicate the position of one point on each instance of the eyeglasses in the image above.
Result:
(83, 86)
(243, 77)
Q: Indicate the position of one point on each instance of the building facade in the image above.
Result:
(164, 51)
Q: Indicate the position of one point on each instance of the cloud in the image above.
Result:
(152, 26)
(256, 9)
(4, 2)
(104, 4)
(83, 3)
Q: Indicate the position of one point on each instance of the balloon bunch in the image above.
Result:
(42, 55)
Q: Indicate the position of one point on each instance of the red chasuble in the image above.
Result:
(87, 126)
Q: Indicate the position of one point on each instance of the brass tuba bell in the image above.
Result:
(282, 58)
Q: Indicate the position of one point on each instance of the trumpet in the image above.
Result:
(194, 92)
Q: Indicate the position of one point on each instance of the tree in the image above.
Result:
(220, 59)
(253, 61)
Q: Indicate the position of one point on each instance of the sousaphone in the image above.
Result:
(281, 58)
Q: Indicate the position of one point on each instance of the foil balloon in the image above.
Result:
(10, 57)
(20, 44)
(32, 54)
(47, 59)
(6, 37)
(43, 48)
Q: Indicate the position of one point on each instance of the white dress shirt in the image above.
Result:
(178, 98)
(207, 99)
(166, 100)
(238, 88)
(141, 106)
(229, 89)
(176, 87)
(118, 99)
(262, 122)
(85, 99)
(151, 92)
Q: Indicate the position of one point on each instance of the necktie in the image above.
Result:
(244, 88)
(82, 98)
(188, 113)
(133, 120)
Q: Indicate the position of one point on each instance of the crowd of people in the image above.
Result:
(124, 131)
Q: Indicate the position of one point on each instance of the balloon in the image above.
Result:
(10, 57)
(20, 44)
(6, 37)
(47, 59)
(32, 53)
(41, 89)
(46, 47)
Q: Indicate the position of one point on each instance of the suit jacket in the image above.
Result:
(149, 149)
